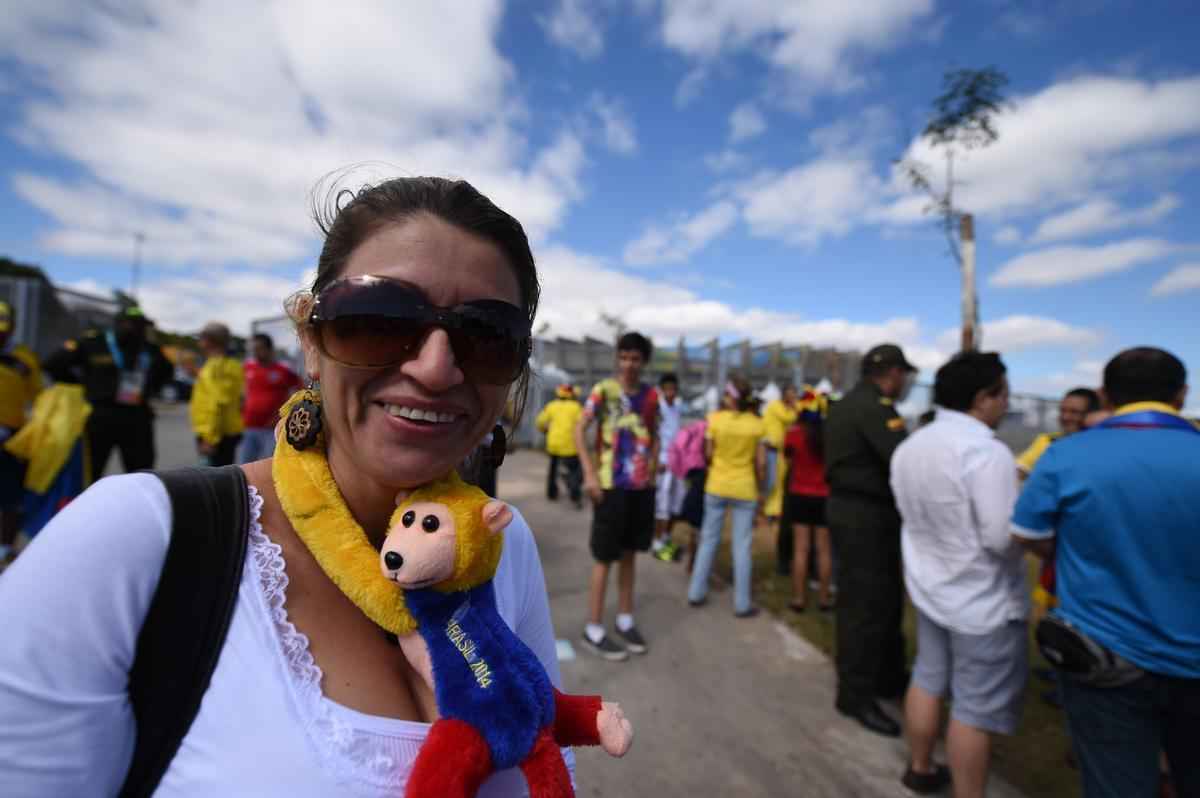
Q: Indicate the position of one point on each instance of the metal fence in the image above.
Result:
(47, 315)
(703, 367)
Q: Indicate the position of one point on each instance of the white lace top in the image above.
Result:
(72, 608)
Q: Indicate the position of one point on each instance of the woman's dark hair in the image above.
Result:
(1088, 395)
(348, 218)
(1144, 374)
(635, 342)
(745, 398)
(964, 376)
(669, 377)
(814, 430)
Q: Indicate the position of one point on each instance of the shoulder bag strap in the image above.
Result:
(184, 631)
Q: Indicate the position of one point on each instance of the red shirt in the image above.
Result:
(807, 477)
(267, 388)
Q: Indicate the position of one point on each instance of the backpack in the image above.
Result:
(184, 631)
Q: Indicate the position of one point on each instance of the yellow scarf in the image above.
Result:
(319, 514)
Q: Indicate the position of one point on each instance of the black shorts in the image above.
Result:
(807, 510)
(622, 521)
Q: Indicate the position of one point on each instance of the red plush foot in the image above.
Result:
(545, 770)
(453, 762)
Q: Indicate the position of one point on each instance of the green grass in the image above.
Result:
(1033, 760)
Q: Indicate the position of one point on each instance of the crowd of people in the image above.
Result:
(417, 336)
(945, 516)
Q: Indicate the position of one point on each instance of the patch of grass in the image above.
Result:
(1033, 760)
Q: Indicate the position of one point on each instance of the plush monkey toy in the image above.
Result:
(497, 707)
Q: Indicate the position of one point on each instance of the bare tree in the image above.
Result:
(963, 120)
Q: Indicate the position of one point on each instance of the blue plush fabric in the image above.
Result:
(483, 674)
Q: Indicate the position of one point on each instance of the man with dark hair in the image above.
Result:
(1117, 510)
(1074, 408)
(621, 487)
(269, 383)
(669, 490)
(955, 486)
(120, 370)
(861, 433)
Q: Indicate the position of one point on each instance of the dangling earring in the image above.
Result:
(498, 448)
(303, 426)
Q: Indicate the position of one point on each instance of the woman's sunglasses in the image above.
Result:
(374, 322)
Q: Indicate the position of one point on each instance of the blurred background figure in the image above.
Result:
(670, 489)
(268, 385)
(216, 406)
(557, 420)
(807, 492)
(20, 383)
(736, 451)
(777, 417)
(120, 370)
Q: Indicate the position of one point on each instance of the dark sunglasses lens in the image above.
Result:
(494, 359)
(370, 340)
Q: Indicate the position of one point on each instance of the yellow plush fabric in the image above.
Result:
(319, 514)
(477, 549)
(60, 414)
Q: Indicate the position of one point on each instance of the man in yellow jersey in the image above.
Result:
(216, 406)
(20, 383)
(558, 419)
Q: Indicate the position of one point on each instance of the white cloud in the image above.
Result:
(184, 304)
(1088, 373)
(726, 160)
(1007, 235)
(206, 129)
(576, 288)
(1101, 216)
(1071, 264)
(1179, 280)
(1016, 333)
(746, 122)
(1072, 139)
(682, 239)
(573, 24)
(690, 87)
(619, 134)
(824, 197)
(818, 44)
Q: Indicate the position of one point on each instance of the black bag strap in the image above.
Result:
(184, 631)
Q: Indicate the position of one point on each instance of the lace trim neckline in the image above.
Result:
(352, 745)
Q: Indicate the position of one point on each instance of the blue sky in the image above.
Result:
(697, 167)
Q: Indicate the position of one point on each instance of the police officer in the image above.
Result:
(120, 371)
(862, 432)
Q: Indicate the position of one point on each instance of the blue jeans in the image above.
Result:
(1118, 732)
(772, 471)
(257, 444)
(710, 538)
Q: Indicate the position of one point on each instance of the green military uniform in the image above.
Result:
(862, 431)
(118, 375)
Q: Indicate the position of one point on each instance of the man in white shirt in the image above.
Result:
(669, 489)
(955, 487)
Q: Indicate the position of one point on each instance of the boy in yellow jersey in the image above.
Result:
(216, 406)
(20, 383)
(558, 419)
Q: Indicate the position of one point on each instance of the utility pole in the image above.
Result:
(138, 240)
(969, 304)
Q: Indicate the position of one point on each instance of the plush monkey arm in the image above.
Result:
(586, 720)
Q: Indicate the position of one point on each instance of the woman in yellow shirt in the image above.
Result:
(736, 466)
(216, 406)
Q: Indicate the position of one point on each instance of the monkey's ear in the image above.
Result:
(496, 516)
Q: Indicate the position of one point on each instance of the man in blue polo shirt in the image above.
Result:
(1118, 507)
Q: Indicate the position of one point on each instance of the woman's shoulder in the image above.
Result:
(121, 523)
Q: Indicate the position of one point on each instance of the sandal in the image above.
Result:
(795, 606)
(830, 607)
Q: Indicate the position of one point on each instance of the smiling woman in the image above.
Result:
(415, 333)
